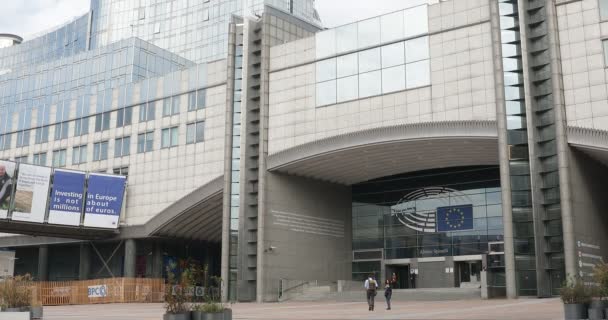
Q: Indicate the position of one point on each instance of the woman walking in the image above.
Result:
(388, 293)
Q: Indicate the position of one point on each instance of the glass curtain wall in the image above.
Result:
(517, 139)
(236, 165)
(432, 213)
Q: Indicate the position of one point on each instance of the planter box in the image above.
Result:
(36, 312)
(6, 315)
(595, 313)
(199, 315)
(575, 311)
(179, 316)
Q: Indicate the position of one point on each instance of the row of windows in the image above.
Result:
(390, 68)
(124, 117)
(122, 146)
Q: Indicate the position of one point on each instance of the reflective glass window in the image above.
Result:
(347, 65)
(326, 70)
(100, 151)
(417, 49)
(369, 60)
(195, 132)
(393, 55)
(346, 38)
(59, 157)
(418, 74)
(370, 84)
(393, 79)
(122, 147)
(201, 99)
(169, 137)
(79, 154)
(348, 88)
(325, 43)
(369, 33)
(416, 21)
(392, 26)
(326, 93)
(605, 44)
(39, 159)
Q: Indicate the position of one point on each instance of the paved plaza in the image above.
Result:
(470, 309)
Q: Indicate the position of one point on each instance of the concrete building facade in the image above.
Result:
(439, 143)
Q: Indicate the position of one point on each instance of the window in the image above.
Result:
(5, 141)
(81, 125)
(61, 120)
(169, 137)
(326, 93)
(23, 138)
(25, 122)
(147, 111)
(79, 154)
(196, 100)
(605, 44)
(157, 27)
(141, 13)
(102, 121)
(59, 158)
(124, 117)
(122, 147)
(22, 159)
(195, 132)
(123, 171)
(145, 142)
(170, 106)
(42, 132)
(100, 151)
(39, 159)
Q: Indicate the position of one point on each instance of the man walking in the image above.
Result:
(371, 287)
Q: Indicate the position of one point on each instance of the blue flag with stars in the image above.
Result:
(455, 218)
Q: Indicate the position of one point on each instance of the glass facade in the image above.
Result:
(408, 216)
(195, 30)
(367, 58)
(235, 186)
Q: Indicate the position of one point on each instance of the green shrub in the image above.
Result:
(600, 274)
(574, 291)
(209, 307)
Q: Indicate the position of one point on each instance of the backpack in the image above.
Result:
(373, 285)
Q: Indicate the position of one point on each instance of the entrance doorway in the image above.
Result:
(403, 275)
(468, 273)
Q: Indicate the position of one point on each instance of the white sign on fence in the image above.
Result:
(99, 291)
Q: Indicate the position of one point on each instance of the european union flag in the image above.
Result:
(455, 218)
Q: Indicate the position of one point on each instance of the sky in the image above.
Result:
(30, 17)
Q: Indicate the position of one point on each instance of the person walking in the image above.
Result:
(388, 293)
(371, 287)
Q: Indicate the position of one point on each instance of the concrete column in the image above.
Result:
(157, 261)
(43, 263)
(84, 268)
(130, 257)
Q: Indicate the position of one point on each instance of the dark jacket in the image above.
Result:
(388, 291)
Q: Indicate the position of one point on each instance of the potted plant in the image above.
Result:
(15, 294)
(176, 306)
(576, 297)
(211, 311)
(212, 308)
(598, 306)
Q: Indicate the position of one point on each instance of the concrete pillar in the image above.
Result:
(130, 257)
(84, 268)
(43, 263)
(157, 261)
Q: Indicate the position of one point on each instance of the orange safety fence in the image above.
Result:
(111, 290)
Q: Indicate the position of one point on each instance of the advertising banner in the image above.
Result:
(67, 197)
(98, 291)
(32, 193)
(7, 175)
(104, 200)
